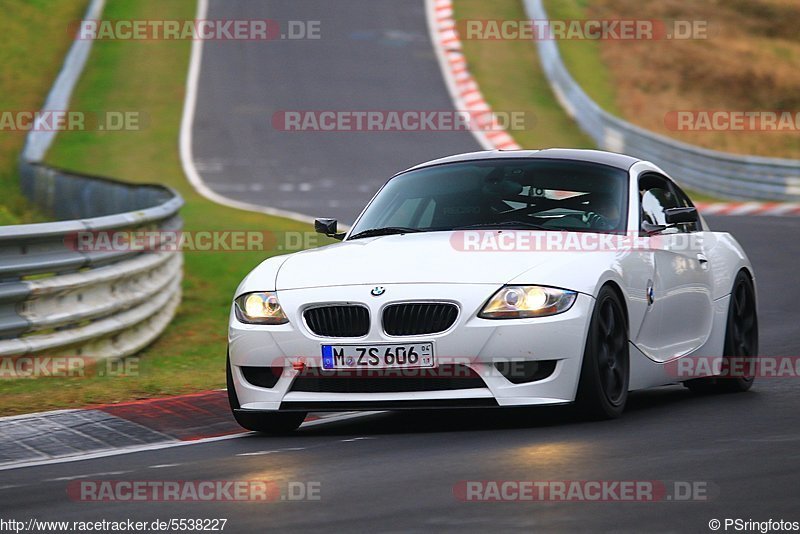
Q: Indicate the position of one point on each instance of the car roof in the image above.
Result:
(601, 157)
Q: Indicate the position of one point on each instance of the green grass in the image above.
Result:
(149, 77)
(749, 60)
(510, 76)
(33, 42)
(585, 63)
(582, 57)
(511, 79)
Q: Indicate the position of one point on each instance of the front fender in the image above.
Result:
(727, 258)
(263, 276)
(586, 272)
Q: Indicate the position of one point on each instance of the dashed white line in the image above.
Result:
(116, 452)
(185, 141)
(262, 453)
(170, 444)
(79, 477)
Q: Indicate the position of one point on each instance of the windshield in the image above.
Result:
(507, 193)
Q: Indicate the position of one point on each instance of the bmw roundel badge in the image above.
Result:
(377, 291)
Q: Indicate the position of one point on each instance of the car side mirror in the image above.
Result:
(328, 227)
(681, 215)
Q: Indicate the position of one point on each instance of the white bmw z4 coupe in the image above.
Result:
(493, 279)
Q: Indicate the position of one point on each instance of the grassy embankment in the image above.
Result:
(33, 42)
(749, 62)
(149, 77)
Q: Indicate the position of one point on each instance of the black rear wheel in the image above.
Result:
(267, 423)
(741, 343)
(603, 387)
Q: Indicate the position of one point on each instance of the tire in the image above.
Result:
(268, 423)
(741, 341)
(603, 386)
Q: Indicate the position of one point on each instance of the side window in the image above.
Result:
(656, 195)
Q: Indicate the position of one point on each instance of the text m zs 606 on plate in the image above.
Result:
(384, 356)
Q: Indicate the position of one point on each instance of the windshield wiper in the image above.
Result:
(387, 230)
(504, 224)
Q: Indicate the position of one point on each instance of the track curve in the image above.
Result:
(391, 65)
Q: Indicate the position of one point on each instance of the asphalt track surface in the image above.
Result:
(372, 55)
(397, 471)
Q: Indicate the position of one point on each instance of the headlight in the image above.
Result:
(259, 308)
(517, 302)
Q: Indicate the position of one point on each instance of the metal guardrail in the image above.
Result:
(57, 296)
(709, 171)
(94, 303)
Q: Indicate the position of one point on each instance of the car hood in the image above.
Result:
(431, 257)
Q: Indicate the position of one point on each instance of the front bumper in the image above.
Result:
(471, 341)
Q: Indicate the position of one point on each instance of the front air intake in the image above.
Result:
(338, 320)
(442, 378)
(418, 318)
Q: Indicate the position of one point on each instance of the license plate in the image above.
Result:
(407, 355)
